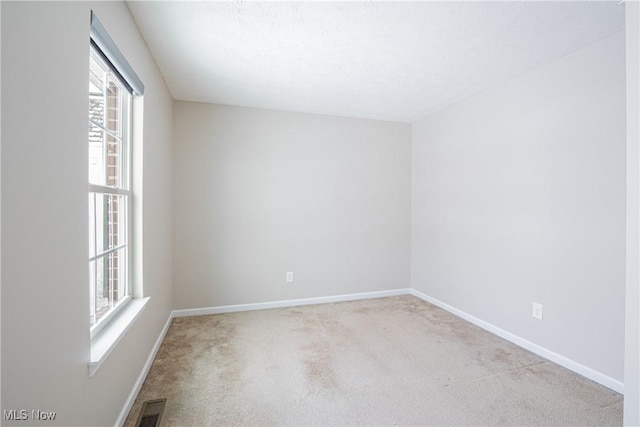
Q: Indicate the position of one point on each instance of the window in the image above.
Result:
(112, 87)
(109, 189)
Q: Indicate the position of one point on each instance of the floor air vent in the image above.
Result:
(151, 413)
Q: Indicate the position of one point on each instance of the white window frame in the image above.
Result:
(106, 334)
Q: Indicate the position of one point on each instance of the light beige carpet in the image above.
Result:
(387, 361)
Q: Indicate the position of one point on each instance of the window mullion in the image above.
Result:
(101, 189)
(104, 129)
(108, 251)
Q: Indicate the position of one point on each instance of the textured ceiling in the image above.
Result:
(381, 60)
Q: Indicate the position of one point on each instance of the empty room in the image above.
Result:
(320, 213)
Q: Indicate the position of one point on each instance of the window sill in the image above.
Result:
(103, 344)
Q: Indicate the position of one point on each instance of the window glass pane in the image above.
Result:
(107, 158)
(97, 78)
(110, 282)
(92, 224)
(114, 162)
(109, 214)
(109, 109)
(107, 96)
(92, 291)
(101, 291)
(97, 155)
(113, 108)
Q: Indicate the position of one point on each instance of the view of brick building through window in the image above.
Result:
(109, 106)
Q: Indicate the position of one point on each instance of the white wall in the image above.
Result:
(519, 196)
(259, 193)
(45, 315)
(632, 331)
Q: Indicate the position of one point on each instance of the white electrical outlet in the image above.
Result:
(537, 311)
(289, 276)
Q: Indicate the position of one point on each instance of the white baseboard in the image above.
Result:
(572, 365)
(143, 375)
(287, 303)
